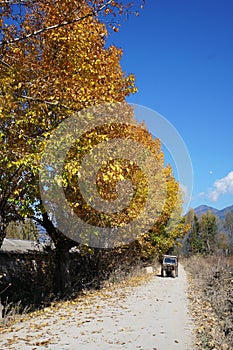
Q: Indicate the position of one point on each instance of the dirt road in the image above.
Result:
(147, 317)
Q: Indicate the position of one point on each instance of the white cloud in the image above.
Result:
(221, 186)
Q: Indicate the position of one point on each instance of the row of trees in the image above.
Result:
(54, 63)
(208, 234)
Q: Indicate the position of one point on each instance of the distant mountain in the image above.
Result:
(203, 209)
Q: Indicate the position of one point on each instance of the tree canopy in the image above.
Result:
(53, 63)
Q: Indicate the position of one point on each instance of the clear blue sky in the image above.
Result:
(181, 53)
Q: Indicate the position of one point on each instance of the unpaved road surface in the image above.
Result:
(147, 317)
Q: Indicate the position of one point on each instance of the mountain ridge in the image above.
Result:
(203, 209)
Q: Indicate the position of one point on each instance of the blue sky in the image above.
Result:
(181, 53)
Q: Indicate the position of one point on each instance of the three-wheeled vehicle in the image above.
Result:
(169, 266)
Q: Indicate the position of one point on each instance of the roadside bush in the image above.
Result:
(211, 285)
(27, 281)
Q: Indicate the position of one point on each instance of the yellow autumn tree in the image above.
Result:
(53, 64)
(48, 76)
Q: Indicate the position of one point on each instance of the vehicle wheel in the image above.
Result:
(164, 273)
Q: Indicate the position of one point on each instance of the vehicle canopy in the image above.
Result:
(170, 259)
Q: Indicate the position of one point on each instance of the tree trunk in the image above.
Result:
(2, 236)
(3, 226)
(62, 272)
(62, 258)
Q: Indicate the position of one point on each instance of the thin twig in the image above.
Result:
(13, 2)
(5, 289)
(5, 63)
(55, 26)
(43, 101)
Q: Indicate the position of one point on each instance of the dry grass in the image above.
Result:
(12, 313)
(211, 295)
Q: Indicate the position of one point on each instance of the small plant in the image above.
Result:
(11, 312)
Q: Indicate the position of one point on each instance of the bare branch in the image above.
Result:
(5, 63)
(16, 2)
(54, 104)
(55, 26)
(5, 288)
(12, 2)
